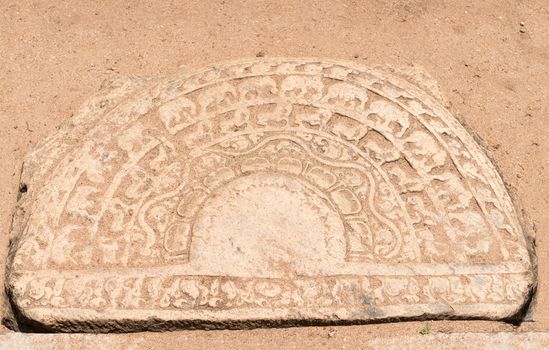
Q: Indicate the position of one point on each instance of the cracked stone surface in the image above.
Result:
(266, 191)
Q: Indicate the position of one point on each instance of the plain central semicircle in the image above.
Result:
(266, 225)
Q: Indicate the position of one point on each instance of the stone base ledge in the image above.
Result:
(177, 340)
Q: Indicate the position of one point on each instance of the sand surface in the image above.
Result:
(491, 59)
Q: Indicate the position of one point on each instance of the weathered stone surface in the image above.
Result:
(264, 191)
(362, 340)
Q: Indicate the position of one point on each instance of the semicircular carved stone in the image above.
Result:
(269, 190)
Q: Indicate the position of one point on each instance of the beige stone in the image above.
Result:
(267, 191)
(330, 340)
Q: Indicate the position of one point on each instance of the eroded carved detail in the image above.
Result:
(395, 179)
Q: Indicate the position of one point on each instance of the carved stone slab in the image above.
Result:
(268, 191)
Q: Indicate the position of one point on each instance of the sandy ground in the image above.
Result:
(491, 59)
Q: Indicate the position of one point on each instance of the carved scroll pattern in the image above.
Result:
(217, 293)
(421, 164)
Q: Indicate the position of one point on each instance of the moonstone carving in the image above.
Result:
(267, 191)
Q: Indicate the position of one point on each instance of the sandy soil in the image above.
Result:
(491, 59)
